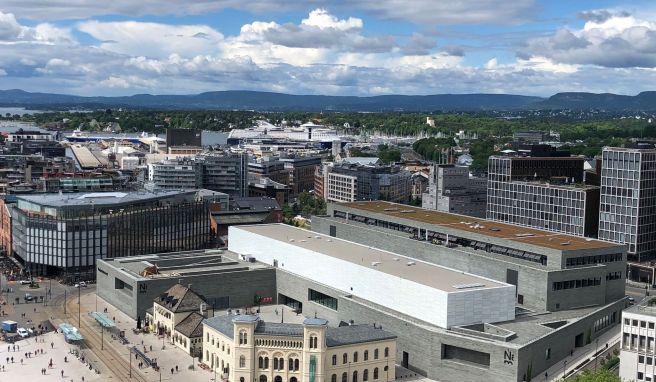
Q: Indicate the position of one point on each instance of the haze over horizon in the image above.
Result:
(529, 47)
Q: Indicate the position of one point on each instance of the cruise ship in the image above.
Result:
(307, 132)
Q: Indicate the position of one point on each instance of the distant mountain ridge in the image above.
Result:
(268, 101)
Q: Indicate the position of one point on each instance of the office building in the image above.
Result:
(183, 137)
(300, 170)
(638, 347)
(225, 172)
(353, 180)
(174, 174)
(242, 211)
(246, 348)
(452, 189)
(628, 206)
(64, 234)
(565, 286)
(542, 192)
(267, 188)
(269, 167)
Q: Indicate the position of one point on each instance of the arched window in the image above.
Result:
(241, 379)
(296, 364)
(333, 378)
(344, 377)
(355, 356)
(242, 361)
(207, 355)
(366, 355)
(313, 342)
(266, 362)
(375, 353)
(334, 360)
(344, 358)
(355, 376)
(290, 364)
(281, 363)
(293, 379)
(277, 378)
(260, 362)
(365, 375)
(275, 363)
(376, 373)
(386, 352)
(263, 378)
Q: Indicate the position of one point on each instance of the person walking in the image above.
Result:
(62, 373)
(52, 345)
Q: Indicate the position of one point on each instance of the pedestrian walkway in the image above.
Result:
(581, 354)
(31, 367)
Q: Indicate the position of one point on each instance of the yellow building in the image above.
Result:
(178, 313)
(243, 348)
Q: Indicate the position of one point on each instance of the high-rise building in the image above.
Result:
(451, 189)
(542, 192)
(225, 172)
(174, 174)
(64, 234)
(346, 181)
(627, 211)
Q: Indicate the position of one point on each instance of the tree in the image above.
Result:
(599, 375)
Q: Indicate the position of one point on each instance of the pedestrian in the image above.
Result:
(151, 347)
(7, 359)
(14, 347)
(176, 368)
(171, 370)
(21, 361)
(12, 359)
(52, 345)
(62, 373)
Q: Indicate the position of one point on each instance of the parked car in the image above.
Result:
(81, 284)
(23, 332)
(631, 300)
(25, 282)
(28, 297)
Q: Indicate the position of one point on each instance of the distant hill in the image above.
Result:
(266, 101)
(645, 101)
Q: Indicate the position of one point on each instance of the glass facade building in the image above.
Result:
(50, 240)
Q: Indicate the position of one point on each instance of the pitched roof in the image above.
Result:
(191, 326)
(222, 324)
(179, 298)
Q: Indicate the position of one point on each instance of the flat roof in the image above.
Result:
(98, 198)
(518, 234)
(431, 275)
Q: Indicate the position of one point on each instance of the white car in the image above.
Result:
(25, 282)
(23, 332)
(81, 284)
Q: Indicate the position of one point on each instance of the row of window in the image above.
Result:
(585, 260)
(571, 284)
(278, 363)
(365, 356)
(365, 375)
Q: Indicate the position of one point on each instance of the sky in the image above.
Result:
(336, 47)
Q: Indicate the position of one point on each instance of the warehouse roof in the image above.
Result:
(479, 226)
(424, 273)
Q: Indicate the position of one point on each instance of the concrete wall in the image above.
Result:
(239, 286)
(534, 280)
(445, 309)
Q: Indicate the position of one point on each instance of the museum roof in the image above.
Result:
(517, 234)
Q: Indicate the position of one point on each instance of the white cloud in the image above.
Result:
(615, 40)
(153, 39)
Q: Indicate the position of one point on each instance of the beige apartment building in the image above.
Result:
(245, 348)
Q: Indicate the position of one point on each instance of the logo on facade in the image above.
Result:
(508, 357)
(143, 288)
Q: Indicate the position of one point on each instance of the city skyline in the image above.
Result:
(530, 47)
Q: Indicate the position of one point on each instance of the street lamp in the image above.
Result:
(564, 368)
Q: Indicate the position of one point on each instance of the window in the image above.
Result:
(281, 364)
(275, 364)
(640, 375)
(322, 299)
(241, 379)
(365, 375)
(366, 355)
(355, 376)
(333, 378)
(386, 352)
(290, 364)
(355, 357)
(651, 325)
(242, 361)
(344, 358)
(641, 359)
(260, 362)
(334, 359)
(548, 353)
(296, 363)
(243, 340)
(643, 324)
(376, 373)
(313, 342)
(375, 353)
(266, 362)
(344, 377)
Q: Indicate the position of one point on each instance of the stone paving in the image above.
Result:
(30, 368)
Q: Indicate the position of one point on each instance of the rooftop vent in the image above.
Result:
(467, 286)
(565, 243)
(396, 259)
(495, 229)
(375, 263)
(409, 263)
(407, 211)
(291, 240)
(524, 234)
(391, 209)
